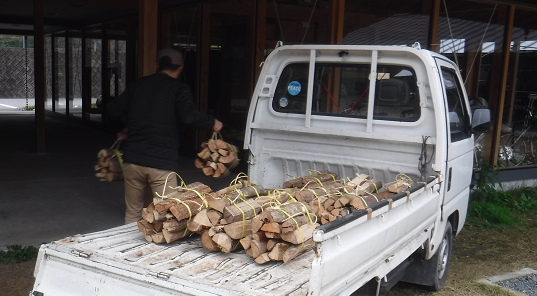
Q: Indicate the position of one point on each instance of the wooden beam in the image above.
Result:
(259, 27)
(105, 3)
(506, 51)
(39, 74)
(147, 37)
(54, 76)
(511, 83)
(67, 74)
(105, 75)
(86, 80)
(203, 49)
(433, 26)
(16, 32)
(337, 18)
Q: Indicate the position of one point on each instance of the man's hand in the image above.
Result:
(217, 125)
(122, 135)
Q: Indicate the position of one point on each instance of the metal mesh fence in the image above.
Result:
(17, 73)
(17, 70)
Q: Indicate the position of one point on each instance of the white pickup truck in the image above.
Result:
(378, 110)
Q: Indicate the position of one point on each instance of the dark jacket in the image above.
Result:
(155, 106)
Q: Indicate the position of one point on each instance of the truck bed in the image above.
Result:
(121, 255)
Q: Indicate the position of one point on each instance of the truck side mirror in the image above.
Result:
(481, 120)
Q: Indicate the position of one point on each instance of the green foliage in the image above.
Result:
(16, 41)
(28, 108)
(490, 207)
(489, 215)
(18, 254)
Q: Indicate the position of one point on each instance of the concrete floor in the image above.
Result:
(49, 196)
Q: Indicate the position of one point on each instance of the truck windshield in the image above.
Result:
(343, 90)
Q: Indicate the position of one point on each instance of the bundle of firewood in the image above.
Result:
(270, 226)
(217, 158)
(108, 166)
(228, 218)
(280, 233)
(165, 220)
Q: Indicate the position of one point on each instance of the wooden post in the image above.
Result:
(39, 74)
(433, 26)
(147, 37)
(259, 31)
(511, 83)
(105, 75)
(67, 74)
(203, 49)
(506, 51)
(337, 17)
(86, 79)
(54, 76)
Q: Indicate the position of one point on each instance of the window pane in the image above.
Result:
(396, 95)
(458, 116)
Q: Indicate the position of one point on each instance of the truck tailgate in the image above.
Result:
(119, 261)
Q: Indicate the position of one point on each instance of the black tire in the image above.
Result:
(442, 259)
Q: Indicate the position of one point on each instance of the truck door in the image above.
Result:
(460, 144)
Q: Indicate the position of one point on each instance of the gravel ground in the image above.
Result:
(526, 284)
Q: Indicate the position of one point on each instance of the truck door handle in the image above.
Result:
(449, 179)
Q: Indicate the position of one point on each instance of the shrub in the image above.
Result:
(18, 254)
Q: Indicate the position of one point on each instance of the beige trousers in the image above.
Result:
(140, 179)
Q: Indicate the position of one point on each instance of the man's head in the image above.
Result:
(170, 61)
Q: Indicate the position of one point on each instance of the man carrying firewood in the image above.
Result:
(153, 108)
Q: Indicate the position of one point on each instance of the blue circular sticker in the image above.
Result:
(294, 88)
(284, 102)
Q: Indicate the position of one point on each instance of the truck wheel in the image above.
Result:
(442, 258)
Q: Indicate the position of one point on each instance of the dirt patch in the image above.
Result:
(478, 253)
(17, 279)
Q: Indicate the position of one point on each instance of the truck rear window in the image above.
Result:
(343, 90)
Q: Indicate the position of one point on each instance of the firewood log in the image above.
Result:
(214, 216)
(207, 242)
(238, 230)
(223, 192)
(147, 215)
(174, 225)
(198, 163)
(173, 236)
(224, 242)
(258, 247)
(145, 228)
(293, 251)
(200, 222)
(272, 235)
(218, 204)
(158, 238)
(298, 236)
(384, 195)
(276, 254)
(245, 241)
(245, 210)
(364, 201)
(272, 227)
(262, 259)
(293, 224)
(208, 171)
(158, 226)
(278, 216)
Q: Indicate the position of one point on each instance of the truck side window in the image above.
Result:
(396, 95)
(459, 120)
